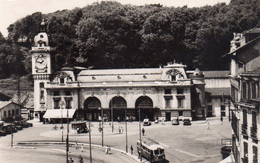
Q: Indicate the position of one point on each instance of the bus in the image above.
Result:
(151, 150)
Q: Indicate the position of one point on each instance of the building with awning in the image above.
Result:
(59, 113)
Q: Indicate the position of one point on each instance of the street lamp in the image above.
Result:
(61, 109)
(126, 142)
(90, 154)
(140, 135)
(112, 115)
(67, 140)
(102, 125)
(12, 135)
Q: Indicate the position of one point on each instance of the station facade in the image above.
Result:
(165, 92)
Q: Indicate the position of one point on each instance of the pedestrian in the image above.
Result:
(132, 149)
(71, 160)
(221, 119)
(143, 131)
(119, 129)
(208, 125)
(122, 129)
(76, 146)
(82, 147)
(81, 159)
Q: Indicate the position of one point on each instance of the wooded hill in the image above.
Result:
(112, 35)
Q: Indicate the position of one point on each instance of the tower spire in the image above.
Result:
(43, 26)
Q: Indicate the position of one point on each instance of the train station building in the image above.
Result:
(165, 92)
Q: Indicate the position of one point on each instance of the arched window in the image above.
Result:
(144, 102)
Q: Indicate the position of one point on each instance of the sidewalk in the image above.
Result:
(22, 145)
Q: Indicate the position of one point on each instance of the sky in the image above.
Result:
(12, 10)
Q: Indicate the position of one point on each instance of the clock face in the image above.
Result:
(40, 63)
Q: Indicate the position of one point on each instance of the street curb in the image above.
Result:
(94, 145)
(21, 147)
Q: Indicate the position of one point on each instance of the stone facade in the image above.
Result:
(244, 78)
(165, 93)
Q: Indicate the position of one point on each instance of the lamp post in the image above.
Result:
(61, 109)
(112, 115)
(90, 154)
(67, 140)
(102, 125)
(12, 135)
(140, 135)
(126, 142)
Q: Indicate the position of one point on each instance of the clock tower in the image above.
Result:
(41, 70)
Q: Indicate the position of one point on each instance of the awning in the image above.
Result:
(58, 113)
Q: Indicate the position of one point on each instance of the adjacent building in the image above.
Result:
(244, 78)
(217, 93)
(9, 111)
(165, 92)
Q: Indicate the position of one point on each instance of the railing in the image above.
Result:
(254, 133)
(244, 130)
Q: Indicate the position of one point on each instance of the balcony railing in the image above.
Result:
(244, 130)
(254, 133)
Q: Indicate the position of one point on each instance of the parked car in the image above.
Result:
(147, 122)
(18, 125)
(2, 133)
(175, 122)
(8, 129)
(186, 122)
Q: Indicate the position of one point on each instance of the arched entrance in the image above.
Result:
(117, 107)
(145, 105)
(91, 108)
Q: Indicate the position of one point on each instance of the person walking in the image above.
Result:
(81, 159)
(221, 119)
(208, 125)
(76, 146)
(132, 149)
(82, 147)
(71, 160)
(143, 131)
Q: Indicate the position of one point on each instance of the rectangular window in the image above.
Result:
(56, 103)
(245, 152)
(255, 157)
(167, 103)
(179, 91)
(67, 93)
(12, 112)
(254, 119)
(173, 78)
(167, 91)
(253, 90)
(56, 93)
(180, 113)
(62, 80)
(17, 112)
(244, 90)
(223, 110)
(4, 113)
(244, 116)
(249, 90)
(209, 111)
(68, 103)
(180, 103)
(9, 113)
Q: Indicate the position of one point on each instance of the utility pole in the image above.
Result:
(112, 115)
(90, 154)
(126, 141)
(67, 140)
(102, 126)
(140, 135)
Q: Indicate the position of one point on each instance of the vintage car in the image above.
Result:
(175, 122)
(147, 122)
(186, 122)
